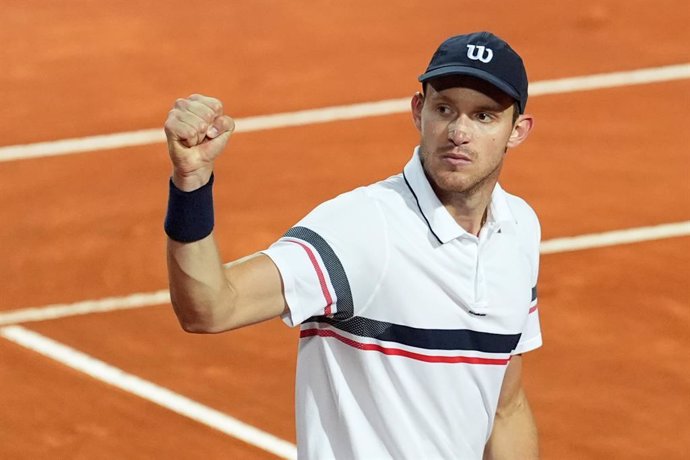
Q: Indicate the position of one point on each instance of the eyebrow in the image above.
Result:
(488, 107)
(491, 108)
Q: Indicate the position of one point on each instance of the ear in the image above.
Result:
(417, 103)
(521, 129)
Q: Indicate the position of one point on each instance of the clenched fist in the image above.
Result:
(197, 132)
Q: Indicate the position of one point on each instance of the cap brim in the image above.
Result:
(472, 72)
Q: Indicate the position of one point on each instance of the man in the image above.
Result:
(416, 295)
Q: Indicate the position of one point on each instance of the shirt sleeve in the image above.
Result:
(531, 333)
(332, 261)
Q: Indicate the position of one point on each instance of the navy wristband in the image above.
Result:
(190, 214)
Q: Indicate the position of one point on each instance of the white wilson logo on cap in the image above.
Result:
(479, 53)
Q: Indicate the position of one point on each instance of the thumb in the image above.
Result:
(221, 126)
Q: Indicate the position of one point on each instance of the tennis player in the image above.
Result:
(415, 296)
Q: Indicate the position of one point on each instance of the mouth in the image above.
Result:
(456, 158)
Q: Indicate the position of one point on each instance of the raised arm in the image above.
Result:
(206, 296)
(514, 435)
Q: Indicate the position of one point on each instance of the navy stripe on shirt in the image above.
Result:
(430, 339)
(344, 304)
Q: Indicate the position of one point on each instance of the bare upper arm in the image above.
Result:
(257, 290)
(514, 434)
(511, 396)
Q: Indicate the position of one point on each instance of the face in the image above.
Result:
(466, 126)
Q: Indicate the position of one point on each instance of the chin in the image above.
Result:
(448, 182)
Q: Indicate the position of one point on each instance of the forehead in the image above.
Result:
(444, 86)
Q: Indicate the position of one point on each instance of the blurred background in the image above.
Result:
(81, 215)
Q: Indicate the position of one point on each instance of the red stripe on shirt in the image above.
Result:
(533, 309)
(398, 352)
(319, 274)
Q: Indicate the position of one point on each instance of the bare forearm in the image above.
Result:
(199, 290)
(514, 435)
(207, 296)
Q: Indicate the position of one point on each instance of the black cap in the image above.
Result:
(485, 56)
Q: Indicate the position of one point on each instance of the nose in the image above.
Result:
(458, 131)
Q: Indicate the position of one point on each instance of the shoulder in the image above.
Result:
(346, 209)
(354, 207)
(525, 220)
(524, 214)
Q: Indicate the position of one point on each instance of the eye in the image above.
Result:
(443, 110)
(485, 117)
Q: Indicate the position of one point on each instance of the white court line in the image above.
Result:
(335, 113)
(613, 238)
(148, 391)
(26, 315)
(566, 244)
(204, 414)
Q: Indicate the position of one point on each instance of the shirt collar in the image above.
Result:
(437, 217)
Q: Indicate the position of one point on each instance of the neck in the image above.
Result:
(470, 208)
(469, 212)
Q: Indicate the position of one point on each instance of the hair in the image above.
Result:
(516, 111)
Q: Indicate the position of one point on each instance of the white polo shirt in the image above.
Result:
(408, 322)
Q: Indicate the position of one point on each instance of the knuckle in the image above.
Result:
(177, 115)
(179, 130)
(200, 104)
(189, 134)
(215, 105)
(171, 124)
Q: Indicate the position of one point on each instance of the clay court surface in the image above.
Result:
(610, 382)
